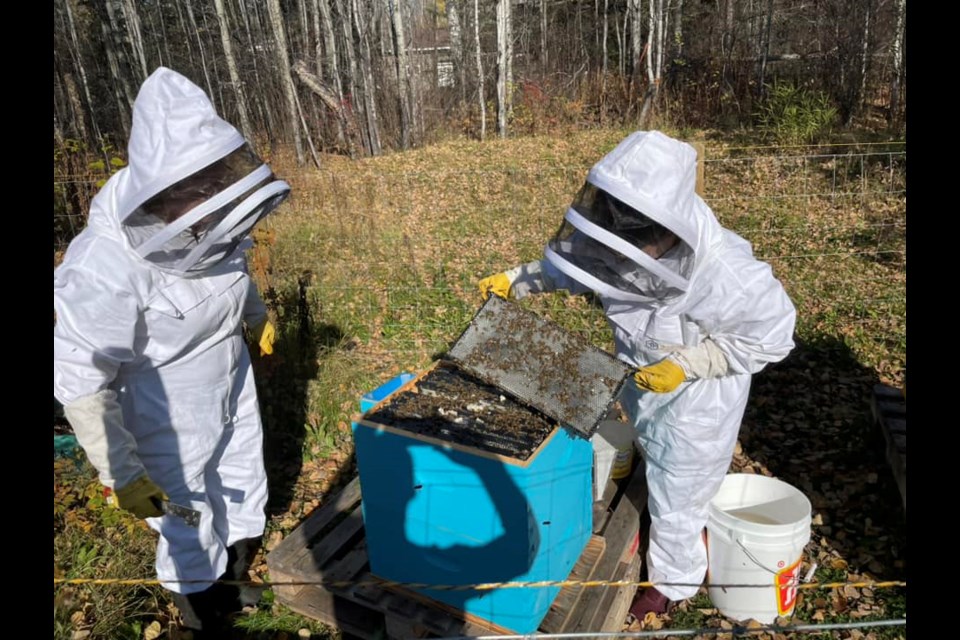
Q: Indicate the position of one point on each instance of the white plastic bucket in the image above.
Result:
(613, 453)
(757, 528)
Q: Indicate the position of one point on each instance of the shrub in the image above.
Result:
(794, 115)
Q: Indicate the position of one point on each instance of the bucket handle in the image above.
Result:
(739, 540)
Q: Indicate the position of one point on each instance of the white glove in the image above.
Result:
(97, 421)
(706, 360)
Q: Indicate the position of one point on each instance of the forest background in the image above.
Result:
(432, 143)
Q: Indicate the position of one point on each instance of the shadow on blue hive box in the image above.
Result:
(446, 510)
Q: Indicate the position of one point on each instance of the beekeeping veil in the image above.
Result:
(637, 201)
(193, 189)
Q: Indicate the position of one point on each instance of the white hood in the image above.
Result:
(655, 175)
(176, 132)
(177, 145)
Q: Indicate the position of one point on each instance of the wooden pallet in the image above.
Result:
(890, 413)
(330, 546)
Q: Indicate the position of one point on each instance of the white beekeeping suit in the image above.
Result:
(149, 357)
(690, 306)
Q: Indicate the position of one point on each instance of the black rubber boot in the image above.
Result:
(199, 612)
(233, 597)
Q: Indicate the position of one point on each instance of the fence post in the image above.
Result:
(701, 156)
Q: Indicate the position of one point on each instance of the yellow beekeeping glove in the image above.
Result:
(141, 498)
(660, 377)
(264, 334)
(498, 284)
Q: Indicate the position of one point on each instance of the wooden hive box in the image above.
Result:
(464, 486)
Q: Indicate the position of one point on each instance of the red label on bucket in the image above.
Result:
(786, 582)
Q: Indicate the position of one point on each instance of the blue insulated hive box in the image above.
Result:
(462, 485)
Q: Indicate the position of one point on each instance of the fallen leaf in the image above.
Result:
(651, 621)
(153, 631)
(275, 538)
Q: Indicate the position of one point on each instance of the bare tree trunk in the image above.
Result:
(678, 29)
(603, 68)
(77, 60)
(510, 84)
(480, 90)
(217, 82)
(897, 63)
(655, 44)
(765, 51)
(456, 38)
(121, 65)
(635, 11)
(543, 36)
(124, 100)
(726, 44)
(318, 38)
(403, 71)
(166, 41)
(203, 57)
(184, 31)
(306, 132)
(366, 76)
(265, 111)
(70, 88)
(332, 66)
(132, 20)
(328, 96)
(304, 44)
(864, 56)
(232, 69)
(283, 69)
(620, 38)
(330, 48)
(345, 20)
(503, 61)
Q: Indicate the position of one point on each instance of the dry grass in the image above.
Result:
(394, 247)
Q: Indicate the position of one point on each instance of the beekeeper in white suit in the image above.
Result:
(150, 362)
(692, 309)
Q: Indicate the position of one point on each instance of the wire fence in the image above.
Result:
(394, 256)
(383, 264)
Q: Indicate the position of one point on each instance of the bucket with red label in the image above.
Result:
(756, 533)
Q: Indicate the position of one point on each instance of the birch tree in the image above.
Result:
(543, 35)
(402, 69)
(480, 90)
(764, 51)
(897, 62)
(77, 60)
(366, 76)
(327, 65)
(456, 39)
(635, 11)
(132, 20)
(345, 21)
(655, 54)
(283, 71)
(504, 54)
(864, 55)
(203, 58)
(232, 69)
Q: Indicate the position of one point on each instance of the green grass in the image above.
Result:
(396, 245)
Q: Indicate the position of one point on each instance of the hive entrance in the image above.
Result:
(453, 406)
